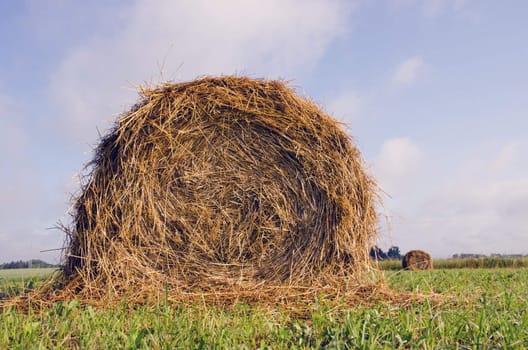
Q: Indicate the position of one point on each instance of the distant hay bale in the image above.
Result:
(417, 260)
(220, 187)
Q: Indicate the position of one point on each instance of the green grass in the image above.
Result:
(471, 263)
(486, 309)
(16, 281)
(20, 274)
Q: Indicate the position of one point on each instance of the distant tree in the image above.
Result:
(35, 263)
(394, 253)
(14, 265)
(377, 253)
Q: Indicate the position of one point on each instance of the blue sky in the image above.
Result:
(434, 93)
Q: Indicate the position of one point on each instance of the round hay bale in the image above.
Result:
(224, 186)
(417, 260)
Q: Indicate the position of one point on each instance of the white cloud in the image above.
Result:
(14, 161)
(23, 243)
(185, 39)
(408, 71)
(509, 157)
(13, 139)
(345, 106)
(481, 209)
(397, 163)
(433, 8)
(24, 203)
(439, 7)
(4, 101)
(27, 206)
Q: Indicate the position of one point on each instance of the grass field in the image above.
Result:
(470, 263)
(485, 309)
(21, 274)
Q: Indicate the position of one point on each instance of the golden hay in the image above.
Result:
(221, 189)
(417, 260)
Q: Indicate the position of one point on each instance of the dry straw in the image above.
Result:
(417, 260)
(221, 189)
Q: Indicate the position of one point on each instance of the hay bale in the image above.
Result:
(417, 260)
(220, 185)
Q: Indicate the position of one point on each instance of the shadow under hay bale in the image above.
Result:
(221, 188)
(417, 260)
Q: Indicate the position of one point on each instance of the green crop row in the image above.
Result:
(469, 263)
(479, 309)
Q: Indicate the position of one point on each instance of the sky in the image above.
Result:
(433, 92)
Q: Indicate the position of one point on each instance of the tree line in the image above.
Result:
(34, 263)
(392, 254)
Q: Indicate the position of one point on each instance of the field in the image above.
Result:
(24, 274)
(471, 263)
(483, 309)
